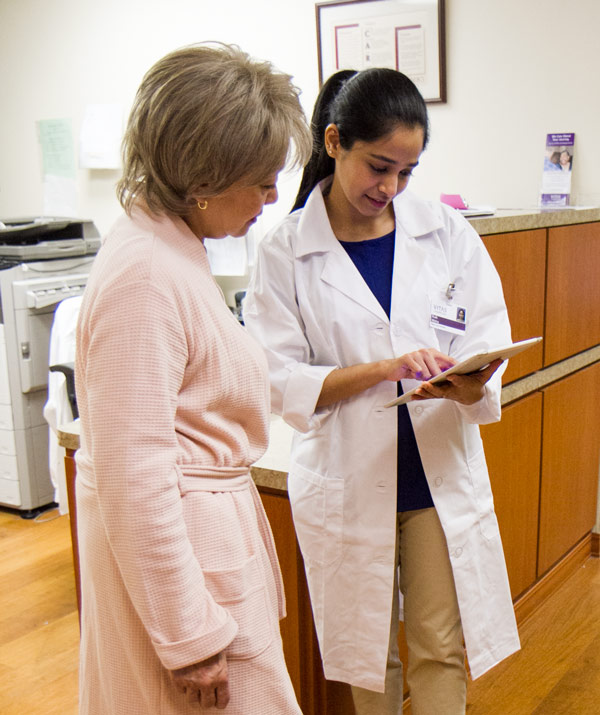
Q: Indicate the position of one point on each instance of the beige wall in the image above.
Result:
(516, 70)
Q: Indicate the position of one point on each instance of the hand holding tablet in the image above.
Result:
(472, 364)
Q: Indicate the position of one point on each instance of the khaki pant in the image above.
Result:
(436, 671)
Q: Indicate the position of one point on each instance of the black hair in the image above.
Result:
(364, 106)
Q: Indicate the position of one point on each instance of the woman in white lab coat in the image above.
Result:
(360, 294)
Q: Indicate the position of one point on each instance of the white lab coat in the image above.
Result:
(311, 309)
(57, 410)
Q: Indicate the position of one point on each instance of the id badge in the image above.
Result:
(448, 316)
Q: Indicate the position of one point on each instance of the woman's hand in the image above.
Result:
(466, 389)
(206, 682)
(421, 364)
(345, 382)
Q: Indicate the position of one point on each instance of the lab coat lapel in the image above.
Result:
(414, 221)
(339, 272)
(409, 258)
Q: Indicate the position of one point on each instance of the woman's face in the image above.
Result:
(370, 174)
(234, 211)
(565, 157)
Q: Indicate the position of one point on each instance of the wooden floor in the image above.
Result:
(39, 630)
(557, 672)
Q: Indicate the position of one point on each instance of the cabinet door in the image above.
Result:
(316, 695)
(71, 477)
(573, 291)
(520, 259)
(512, 448)
(570, 455)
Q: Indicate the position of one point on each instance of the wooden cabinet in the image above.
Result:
(316, 695)
(551, 281)
(543, 459)
(71, 475)
(571, 449)
(543, 455)
(572, 291)
(520, 259)
(513, 453)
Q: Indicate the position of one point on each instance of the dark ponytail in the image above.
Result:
(364, 106)
(321, 164)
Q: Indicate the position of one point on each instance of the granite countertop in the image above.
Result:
(270, 471)
(272, 468)
(68, 435)
(507, 220)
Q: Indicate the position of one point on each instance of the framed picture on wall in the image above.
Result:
(406, 35)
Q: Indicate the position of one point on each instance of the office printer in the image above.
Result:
(43, 238)
(43, 261)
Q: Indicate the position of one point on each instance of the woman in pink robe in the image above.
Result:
(181, 588)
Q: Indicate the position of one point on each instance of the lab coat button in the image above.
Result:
(397, 329)
(418, 410)
(458, 552)
(438, 481)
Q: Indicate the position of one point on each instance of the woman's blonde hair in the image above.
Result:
(204, 118)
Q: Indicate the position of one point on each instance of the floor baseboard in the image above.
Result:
(527, 604)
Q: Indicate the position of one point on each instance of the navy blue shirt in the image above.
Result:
(374, 259)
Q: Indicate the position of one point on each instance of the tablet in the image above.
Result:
(471, 364)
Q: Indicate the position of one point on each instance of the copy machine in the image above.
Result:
(42, 261)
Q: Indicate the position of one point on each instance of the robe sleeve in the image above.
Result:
(134, 353)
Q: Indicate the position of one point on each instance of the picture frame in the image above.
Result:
(405, 35)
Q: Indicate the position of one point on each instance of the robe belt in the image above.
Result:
(234, 479)
(194, 478)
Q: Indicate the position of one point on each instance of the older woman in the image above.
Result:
(182, 593)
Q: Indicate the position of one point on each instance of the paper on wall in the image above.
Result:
(58, 167)
(100, 137)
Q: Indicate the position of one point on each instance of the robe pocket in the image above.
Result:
(242, 592)
(318, 511)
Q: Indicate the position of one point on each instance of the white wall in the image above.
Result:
(516, 71)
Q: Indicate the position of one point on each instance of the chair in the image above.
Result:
(68, 370)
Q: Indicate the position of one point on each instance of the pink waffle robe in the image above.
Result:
(177, 557)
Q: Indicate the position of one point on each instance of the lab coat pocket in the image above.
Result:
(241, 592)
(318, 511)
